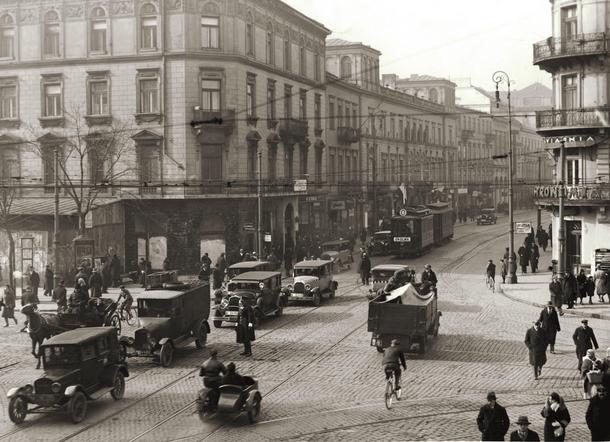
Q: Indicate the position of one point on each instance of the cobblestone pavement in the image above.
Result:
(321, 380)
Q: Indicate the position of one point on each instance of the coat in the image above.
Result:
(524, 256)
(569, 288)
(531, 436)
(597, 418)
(584, 339)
(600, 282)
(34, 279)
(48, 279)
(245, 332)
(493, 422)
(562, 415)
(429, 276)
(536, 342)
(550, 324)
(365, 266)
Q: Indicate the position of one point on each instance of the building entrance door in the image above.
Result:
(573, 244)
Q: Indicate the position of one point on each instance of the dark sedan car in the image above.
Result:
(487, 216)
(380, 243)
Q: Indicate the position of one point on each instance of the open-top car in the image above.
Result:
(487, 216)
(339, 252)
(380, 243)
(167, 319)
(79, 365)
(261, 290)
(313, 280)
(247, 266)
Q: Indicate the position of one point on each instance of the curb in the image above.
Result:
(576, 313)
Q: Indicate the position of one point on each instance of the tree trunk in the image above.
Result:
(11, 259)
(82, 223)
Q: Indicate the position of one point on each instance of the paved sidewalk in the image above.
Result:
(533, 289)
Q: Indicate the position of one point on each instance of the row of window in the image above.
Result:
(98, 95)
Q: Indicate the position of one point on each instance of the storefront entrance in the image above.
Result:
(573, 244)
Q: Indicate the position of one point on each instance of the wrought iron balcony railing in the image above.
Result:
(563, 118)
(224, 119)
(579, 45)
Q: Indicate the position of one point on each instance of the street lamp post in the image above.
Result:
(259, 194)
(56, 216)
(500, 77)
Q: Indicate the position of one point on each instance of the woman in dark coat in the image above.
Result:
(536, 342)
(8, 304)
(581, 281)
(556, 418)
(245, 328)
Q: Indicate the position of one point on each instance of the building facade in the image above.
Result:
(576, 56)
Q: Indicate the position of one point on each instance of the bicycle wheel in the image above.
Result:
(130, 319)
(389, 392)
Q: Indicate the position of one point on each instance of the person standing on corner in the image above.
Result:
(48, 281)
(34, 284)
(550, 324)
(493, 421)
(365, 269)
(535, 341)
(245, 328)
(584, 339)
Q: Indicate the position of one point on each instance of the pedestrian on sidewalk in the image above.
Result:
(245, 328)
(524, 433)
(503, 269)
(534, 257)
(34, 280)
(536, 343)
(589, 362)
(556, 418)
(524, 257)
(48, 281)
(597, 415)
(95, 284)
(60, 296)
(584, 339)
(365, 269)
(550, 324)
(8, 304)
(569, 289)
(601, 286)
(493, 419)
(590, 288)
(556, 293)
(581, 285)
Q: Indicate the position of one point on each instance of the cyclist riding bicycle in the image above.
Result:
(393, 358)
(491, 271)
(128, 300)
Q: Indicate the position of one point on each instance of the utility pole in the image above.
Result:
(561, 234)
(260, 205)
(56, 215)
(375, 219)
(538, 209)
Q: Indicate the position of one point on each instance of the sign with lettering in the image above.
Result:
(300, 185)
(572, 192)
(572, 140)
(337, 205)
(523, 228)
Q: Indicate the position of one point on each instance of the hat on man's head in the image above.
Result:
(550, 303)
(537, 323)
(523, 420)
(395, 342)
(585, 321)
(491, 396)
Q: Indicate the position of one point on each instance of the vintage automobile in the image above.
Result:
(261, 290)
(409, 314)
(231, 399)
(79, 366)
(380, 243)
(381, 274)
(248, 266)
(313, 280)
(339, 252)
(487, 216)
(168, 319)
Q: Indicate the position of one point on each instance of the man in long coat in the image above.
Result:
(115, 270)
(245, 328)
(48, 281)
(34, 284)
(365, 269)
(569, 288)
(524, 257)
(535, 340)
(584, 339)
(95, 284)
(550, 324)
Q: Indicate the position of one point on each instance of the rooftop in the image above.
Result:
(79, 335)
(254, 276)
(308, 263)
(248, 264)
(339, 42)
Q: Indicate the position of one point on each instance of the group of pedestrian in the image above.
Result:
(529, 254)
(217, 271)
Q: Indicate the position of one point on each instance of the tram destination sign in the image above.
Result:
(572, 192)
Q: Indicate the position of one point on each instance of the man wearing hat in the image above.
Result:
(428, 275)
(393, 358)
(584, 339)
(493, 420)
(550, 324)
(535, 340)
(524, 433)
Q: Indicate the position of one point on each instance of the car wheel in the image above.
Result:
(166, 355)
(255, 409)
(380, 349)
(217, 323)
(17, 409)
(258, 318)
(119, 386)
(316, 299)
(201, 336)
(77, 407)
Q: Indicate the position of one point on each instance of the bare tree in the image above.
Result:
(7, 224)
(90, 159)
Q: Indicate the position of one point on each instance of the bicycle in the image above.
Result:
(390, 391)
(128, 317)
(491, 283)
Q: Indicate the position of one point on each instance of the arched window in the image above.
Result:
(7, 36)
(287, 51)
(97, 30)
(249, 35)
(148, 26)
(433, 95)
(51, 34)
(302, 58)
(269, 44)
(364, 74)
(346, 68)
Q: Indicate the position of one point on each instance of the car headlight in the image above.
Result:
(224, 302)
(307, 287)
(55, 387)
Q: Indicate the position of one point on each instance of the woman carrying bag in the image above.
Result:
(556, 418)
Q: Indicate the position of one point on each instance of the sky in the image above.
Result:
(443, 38)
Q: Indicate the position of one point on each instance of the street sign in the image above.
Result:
(300, 185)
(402, 212)
(523, 228)
(462, 191)
(267, 237)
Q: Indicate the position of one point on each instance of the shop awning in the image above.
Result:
(42, 206)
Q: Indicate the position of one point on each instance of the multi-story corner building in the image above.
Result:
(202, 88)
(379, 138)
(576, 56)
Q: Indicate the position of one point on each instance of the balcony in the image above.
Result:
(348, 135)
(207, 119)
(548, 51)
(293, 131)
(555, 119)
